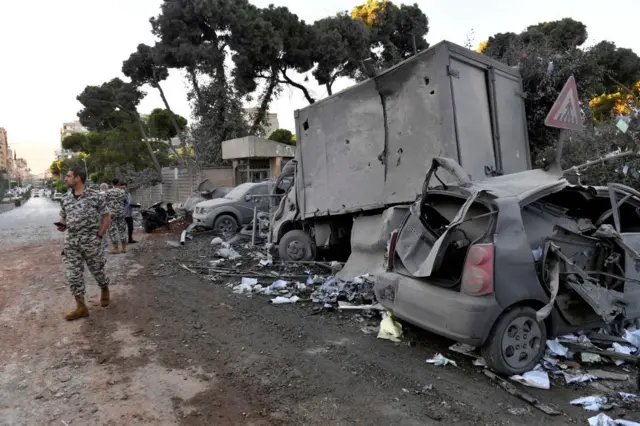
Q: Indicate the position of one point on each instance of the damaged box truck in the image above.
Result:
(368, 147)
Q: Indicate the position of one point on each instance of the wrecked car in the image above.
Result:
(507, 262)
(225, 215)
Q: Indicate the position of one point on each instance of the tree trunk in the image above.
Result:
(196, 88)
(146, 141)
(266, 100)
(304, 90)
(329, 92)
(176, 127)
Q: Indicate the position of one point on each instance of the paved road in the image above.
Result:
(32, 222)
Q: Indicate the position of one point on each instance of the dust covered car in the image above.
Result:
(507, 262)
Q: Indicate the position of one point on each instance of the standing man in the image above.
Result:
(128, 213)
(117, 201)
(85, 216)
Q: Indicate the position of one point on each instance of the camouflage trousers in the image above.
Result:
(118, 230)
(79, 250)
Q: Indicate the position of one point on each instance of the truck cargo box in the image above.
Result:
(370, 145)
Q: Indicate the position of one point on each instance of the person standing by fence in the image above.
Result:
(117, 201)
(128, 213)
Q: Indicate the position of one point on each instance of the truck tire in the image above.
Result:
(225, 224)
(296, 246)
(516, 343)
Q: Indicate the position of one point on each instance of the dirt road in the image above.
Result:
(177, 349)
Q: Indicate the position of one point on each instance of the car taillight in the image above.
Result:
(391, 249)
(477, 276)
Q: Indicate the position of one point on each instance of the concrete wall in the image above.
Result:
(177, 190)
(253, 146)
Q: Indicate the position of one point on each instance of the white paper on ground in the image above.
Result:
(281, 300)
(627, 396)
(604, 420)
(632, 337)
(555, 347)
(249, 281)
(590, 403)
(622, 349)
(441, 360)
(578, 377)
(535, 379)
(280, 284)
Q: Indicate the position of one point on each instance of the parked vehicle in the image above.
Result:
(367, 148)
(510, 261)
(156, 216)
(57, 196)
(205, 191)
(225, 215)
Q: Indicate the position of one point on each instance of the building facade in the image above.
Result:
(67, 129)
(4, 149)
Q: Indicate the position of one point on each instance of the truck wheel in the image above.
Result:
(516, 343)
(225, 225)
(296, 246)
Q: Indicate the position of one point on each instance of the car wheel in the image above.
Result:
(226, 225)
(148, 227)
(516, 343)
(296, 246)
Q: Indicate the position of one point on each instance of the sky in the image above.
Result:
(49, 51)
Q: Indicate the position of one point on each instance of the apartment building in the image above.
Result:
(4, 149)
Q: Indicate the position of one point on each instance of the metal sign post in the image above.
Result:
(565, 114)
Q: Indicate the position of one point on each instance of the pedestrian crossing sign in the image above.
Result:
(565, 112)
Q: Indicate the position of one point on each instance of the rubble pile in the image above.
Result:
(251, 270)
(602, 365)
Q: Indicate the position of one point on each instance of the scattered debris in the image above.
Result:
(227, 252)
(217, 241)
(511, 389)
(359, 291)
(280, 300)
(591, 403)
(590, 358)
(536, 379)
(577, 377)
(604, 420)
(556, 348)
(608, 375)
(441, 360)
(390, 329)
(463, 349)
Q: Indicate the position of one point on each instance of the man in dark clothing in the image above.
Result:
(128, 213)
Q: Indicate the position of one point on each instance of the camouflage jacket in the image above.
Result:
(116, 201)
(83, 213)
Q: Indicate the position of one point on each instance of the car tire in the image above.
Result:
(148, 227)
(296, 246)
(225, 224)
(516, 343)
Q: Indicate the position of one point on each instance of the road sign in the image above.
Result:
(565, 112)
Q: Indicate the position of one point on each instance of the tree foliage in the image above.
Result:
(283, 136)
(117, 143)
(397, 32)
(547, 54)
(161, 126)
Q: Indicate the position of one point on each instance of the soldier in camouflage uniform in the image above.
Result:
(117, 201)
(84, 214)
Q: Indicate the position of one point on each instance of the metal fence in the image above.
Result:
(176, 185)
